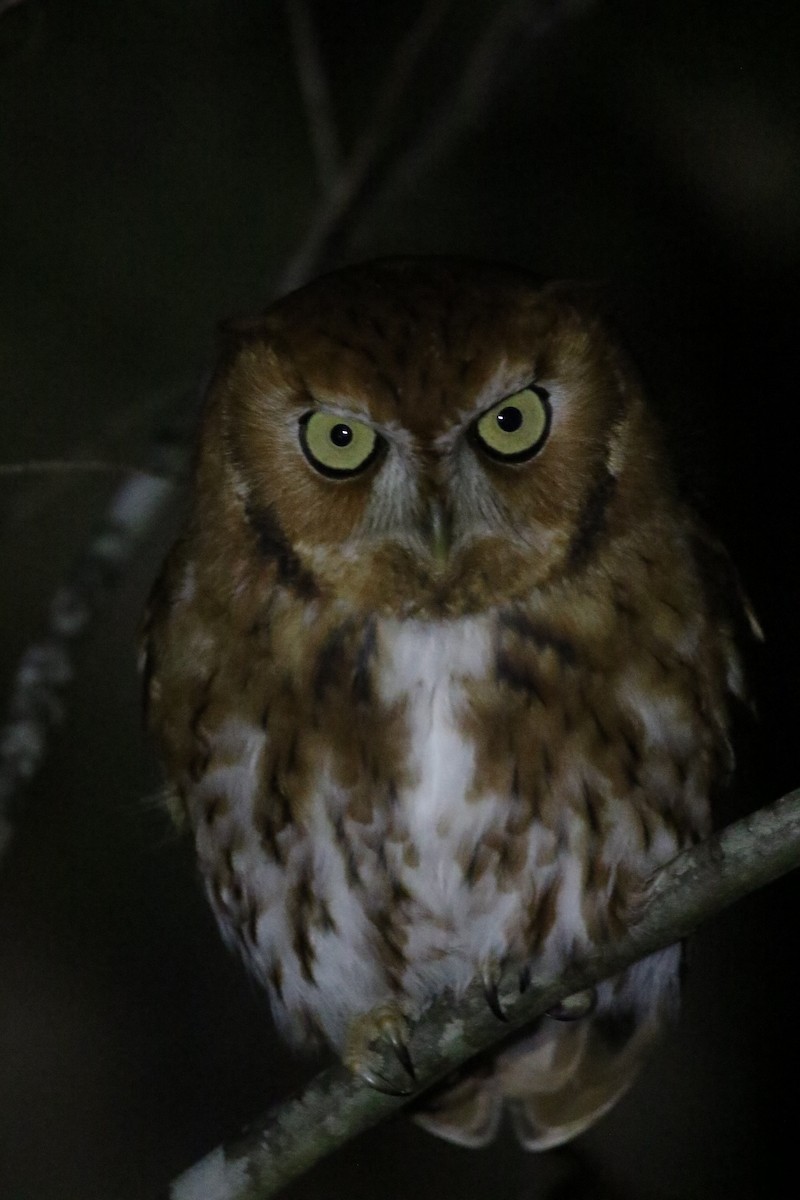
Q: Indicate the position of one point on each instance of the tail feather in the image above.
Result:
(467, 1113)
(553, 1083)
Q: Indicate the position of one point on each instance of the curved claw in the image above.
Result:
(381, 1084)
(403, 1054)
(491, 979)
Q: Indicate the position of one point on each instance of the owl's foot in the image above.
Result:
(377, 1050)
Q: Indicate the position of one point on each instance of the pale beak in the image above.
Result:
(439, 531)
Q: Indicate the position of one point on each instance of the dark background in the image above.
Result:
(155, 176)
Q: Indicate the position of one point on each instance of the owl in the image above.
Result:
(440, 669)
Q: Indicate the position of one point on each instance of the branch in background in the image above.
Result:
(313, 82)
(336, 1106)
(491, 66)
(337, 208)
(75, 466)
(487, 70)
(47, 667)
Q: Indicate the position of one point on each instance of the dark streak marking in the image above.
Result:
(673, 608)
(665, 667)
(590, 799)
(269, 840)
(398, 891)
(391, 940)
(682, 771)
(634, 758)
(517, 676)
(284, 805)
(624, 608)
(305, 896)
(591, 522)
(274, 545)
(302, 947)
(540, 635)
(302, 901)
(362, 682)
(213, 807)
(542, 915)
(348, 853)
(471, 873)
(330, 659)
(325, 917)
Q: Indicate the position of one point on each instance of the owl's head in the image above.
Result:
(426, 436)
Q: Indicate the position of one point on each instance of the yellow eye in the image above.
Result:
(335, 446)
(516, 428)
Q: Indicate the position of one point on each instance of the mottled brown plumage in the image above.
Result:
(438, 669)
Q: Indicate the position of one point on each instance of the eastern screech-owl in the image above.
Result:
(440, 669)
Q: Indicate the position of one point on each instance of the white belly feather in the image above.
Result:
(451, 928)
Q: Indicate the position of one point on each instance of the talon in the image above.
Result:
(524, 979)
(380, 1084)
(403, 1054)
(375, 1041)
(490, 978)
(572, 1008)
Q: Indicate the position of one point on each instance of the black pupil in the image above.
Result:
(341, 435)
(509, 418)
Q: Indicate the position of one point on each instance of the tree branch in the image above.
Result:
(313, 82)
(339, 203)
(490, 66)
(47, 666)
(336, 1106)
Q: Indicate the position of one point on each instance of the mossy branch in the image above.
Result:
(335, 1106)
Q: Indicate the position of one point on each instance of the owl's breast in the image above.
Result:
(423, 799)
